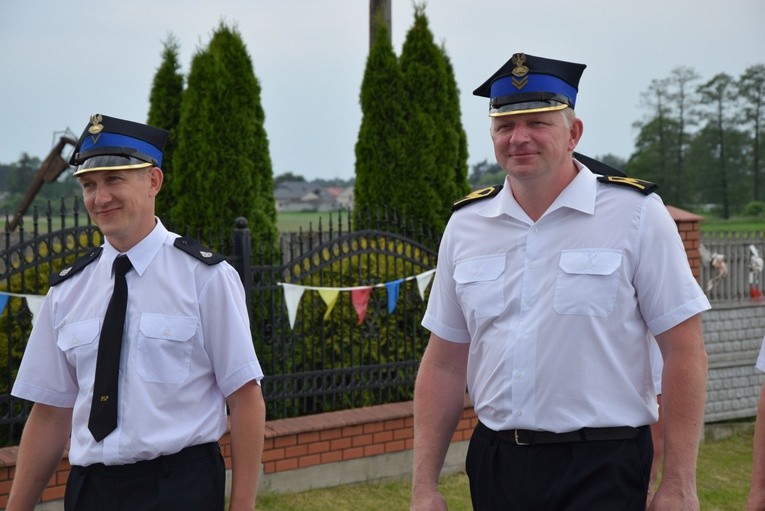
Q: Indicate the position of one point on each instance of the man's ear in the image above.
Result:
(575, 133)
(157, 178)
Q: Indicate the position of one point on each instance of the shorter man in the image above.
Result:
(136, 351)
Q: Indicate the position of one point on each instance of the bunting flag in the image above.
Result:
(34, 302)
(360, 300)
(293, 293)
(329, 295)
(392, 288)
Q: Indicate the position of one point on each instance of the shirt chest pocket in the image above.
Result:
(587, 281)
(164, 347)
(78, 342)
(480, 286)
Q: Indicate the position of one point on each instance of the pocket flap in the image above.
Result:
(590, 262)
(480, 270)
(78, 334)
(172, 328)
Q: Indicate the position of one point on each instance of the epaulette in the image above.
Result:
(483, 193)
(644, 187)
(197, 250)
(76, 267)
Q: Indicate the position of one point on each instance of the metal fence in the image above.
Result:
(315, 365)
(732, 265)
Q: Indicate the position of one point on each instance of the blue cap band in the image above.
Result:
(104, 139)
(536, 83)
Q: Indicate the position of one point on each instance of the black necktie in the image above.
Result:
(103, 408)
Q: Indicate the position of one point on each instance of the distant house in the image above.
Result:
(302, 196)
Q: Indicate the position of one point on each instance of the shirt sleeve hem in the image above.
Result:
(445, 332)
(43, 396)
(679, 314)
(241, 377)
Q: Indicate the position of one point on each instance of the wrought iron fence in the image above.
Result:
(313, 365)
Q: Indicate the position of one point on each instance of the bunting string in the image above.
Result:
(34, 302)
(293, 293)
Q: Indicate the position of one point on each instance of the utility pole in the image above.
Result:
(379, 12)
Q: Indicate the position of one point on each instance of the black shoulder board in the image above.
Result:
(76, 267)
(483, 193)
(644, 187)
(196, 249)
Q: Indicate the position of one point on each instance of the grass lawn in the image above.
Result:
(723, 472)
(293, 221)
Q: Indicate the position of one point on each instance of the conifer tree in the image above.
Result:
(381, 171)
(165, 112)
(222, 162)
(432, 142)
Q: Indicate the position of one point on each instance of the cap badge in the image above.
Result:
(520, 71)
(95, 124)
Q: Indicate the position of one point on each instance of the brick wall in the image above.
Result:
(299, 443)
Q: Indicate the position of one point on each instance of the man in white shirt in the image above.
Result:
(144, 430)
(545, 292)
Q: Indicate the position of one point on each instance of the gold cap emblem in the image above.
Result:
(520, 71)
(95, 124)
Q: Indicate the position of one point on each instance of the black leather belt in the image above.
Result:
(192, 453)
(531, 437)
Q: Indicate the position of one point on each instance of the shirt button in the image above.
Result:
(167, 332)
(531, 264)
(518, 413)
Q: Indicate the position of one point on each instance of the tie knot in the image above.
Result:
(121, 266)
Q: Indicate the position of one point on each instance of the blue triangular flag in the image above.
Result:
(392, 288)
(3, 302)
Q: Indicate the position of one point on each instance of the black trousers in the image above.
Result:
(587, 476)
(193, 479)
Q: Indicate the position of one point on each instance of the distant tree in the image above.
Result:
(751, 88)
(718, 94)
(165, 112)
(288, 177)
(222, 165)
(20, 174)
(613, 160)
(484, 174)
(654, 155)
(381, 170)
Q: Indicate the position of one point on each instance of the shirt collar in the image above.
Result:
(578, 195)
(140, 255)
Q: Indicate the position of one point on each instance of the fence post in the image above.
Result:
(241, 239)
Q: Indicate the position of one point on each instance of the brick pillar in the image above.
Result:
(689, 227)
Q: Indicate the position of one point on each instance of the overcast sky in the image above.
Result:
(62, 61)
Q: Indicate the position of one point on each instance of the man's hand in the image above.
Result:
(428, 501)
(673, 497)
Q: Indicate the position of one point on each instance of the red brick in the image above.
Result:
(285, 441)
(5, 487)
(288, 464)
(362, 440)
(339, 445)
(331, 457)
(373, 427)
(269, 468)
(353, 453)
(353, 430)
(307, 438)
(381, 438)
(331, 434)
(374, 450)
(296, 451)
(3, 501)
(395, 446)
(395, 424)
(318, 447)
(273, 454)
(309, 461)
(403, 433)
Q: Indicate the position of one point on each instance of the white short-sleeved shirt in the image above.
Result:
(187, 346)
(558, 311)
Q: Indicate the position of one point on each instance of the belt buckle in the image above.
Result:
(517, 440)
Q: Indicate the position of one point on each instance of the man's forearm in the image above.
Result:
(247, 430)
